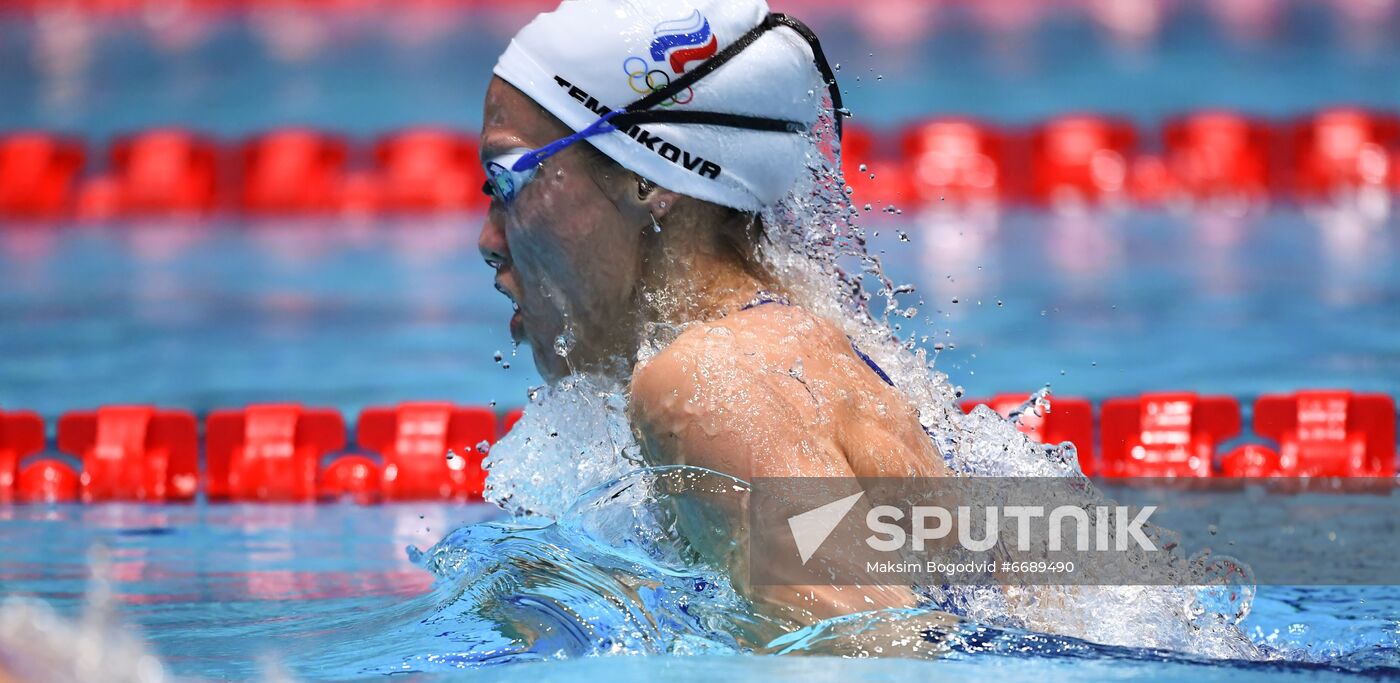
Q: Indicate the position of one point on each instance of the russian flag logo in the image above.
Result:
(682, 41)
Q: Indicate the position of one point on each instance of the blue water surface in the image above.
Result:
(326, 592)
(356, 312)
(366, 73)
(350, 314)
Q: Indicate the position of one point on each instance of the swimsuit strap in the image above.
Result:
(764, 296)
(873, 366)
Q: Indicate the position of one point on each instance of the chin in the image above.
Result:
(550, 366)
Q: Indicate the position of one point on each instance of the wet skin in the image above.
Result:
(566, 251)
(576, 248)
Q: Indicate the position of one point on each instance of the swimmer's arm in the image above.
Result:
(695, 404)
(724, 411)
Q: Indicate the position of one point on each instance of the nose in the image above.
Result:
(492, 244)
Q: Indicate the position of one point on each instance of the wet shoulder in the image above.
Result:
(764, 338)
(745, 394)
(746, 357)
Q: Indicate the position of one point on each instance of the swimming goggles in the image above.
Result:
(507, 174)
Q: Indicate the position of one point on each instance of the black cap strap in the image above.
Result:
(643, 110)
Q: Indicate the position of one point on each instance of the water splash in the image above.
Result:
(609, 576)
(37, 645)
(1037, 404)
(575, 433)
(820, 254)
(564, 343)
(612, 575)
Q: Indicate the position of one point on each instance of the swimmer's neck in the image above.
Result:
(684, 279)
(688, 279)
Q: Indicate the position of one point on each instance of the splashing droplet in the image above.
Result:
(796, 370)
(564, 343)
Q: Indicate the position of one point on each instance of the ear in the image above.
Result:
(654, 199)
(661, 202)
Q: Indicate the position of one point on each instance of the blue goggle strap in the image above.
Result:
(532, 159)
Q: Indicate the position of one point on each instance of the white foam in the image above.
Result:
(574, 435)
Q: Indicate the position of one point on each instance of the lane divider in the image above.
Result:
(177, 172)
(292, 453)
(1203, 157)
(1085, 159)
(1312, 433)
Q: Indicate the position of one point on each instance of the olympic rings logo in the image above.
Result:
(645, 80)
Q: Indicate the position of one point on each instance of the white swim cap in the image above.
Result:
(590, 57)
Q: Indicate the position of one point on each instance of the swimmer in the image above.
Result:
(630, 147)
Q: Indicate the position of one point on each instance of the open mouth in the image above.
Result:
(501, 288)
(517, 327)
(517, 319)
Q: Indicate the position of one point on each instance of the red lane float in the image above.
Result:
(1395, 171)
(274, 452)
(351, 476)
(1068, 419)
(37, 175)
(269, 452)
(293, 171)
(1341, 151)
(21, 434)
(133, 453)
(414, 439)
(1081, 159)
(858, 148)
(1320, 433)
(1170, 434)
(954, 160)
(155, 172)
(1217, 155)
(428, 170)
(49, 481)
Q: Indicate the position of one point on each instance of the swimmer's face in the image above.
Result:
(566, 250)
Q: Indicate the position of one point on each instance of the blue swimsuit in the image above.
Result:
(766, 297)
(942, 598)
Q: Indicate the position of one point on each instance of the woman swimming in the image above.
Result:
(691, 118)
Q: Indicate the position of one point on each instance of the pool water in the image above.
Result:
(365, 73)
(349, 315)
(326, 592)
(357, 312)
(203, 316)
